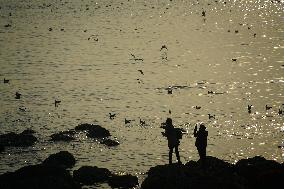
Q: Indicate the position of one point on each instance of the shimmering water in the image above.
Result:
(85, 61)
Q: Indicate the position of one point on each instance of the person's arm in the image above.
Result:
(195, 131)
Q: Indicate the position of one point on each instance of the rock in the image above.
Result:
(261, 173)
(28, 132)
(63, 136)
(18, 140)
(61, 159)
(109, 142)
(93, 131)
(38, 176)
(217, 174)
(2, 148)
(89, 175)
(123, 181)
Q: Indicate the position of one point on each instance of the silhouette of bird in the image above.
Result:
(142, 123)
(249, 108)
(56, 102)
(136, 59)
(111, 116)
(267, 107)
(23, 109)
(141, 72)
(126, 121)
(18, 95)
(6, 80)
(234, 59)
(280, 111)
(197, 107)
(163, 47)
(211, 116)
(203, 13)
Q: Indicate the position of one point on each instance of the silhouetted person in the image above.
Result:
(201, 142)
(173, 135)
(249, 108)
(18, 95)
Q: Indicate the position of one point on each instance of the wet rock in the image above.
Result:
(93, 131)
(63, 136)
(217, 174)
(61, 159)
(18, 140)
(2, 148)
(109, 142)
(261, 173)
(123, 181)
(38, 176)
(89, 175)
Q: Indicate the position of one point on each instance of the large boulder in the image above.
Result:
(261, 173)
(215, 174)
(65, 136)
(93, 131)
(123, 181)
(38, 176)
(61, 159)
(2, 148)
(23, 139)
(109, 142)
(89, 175)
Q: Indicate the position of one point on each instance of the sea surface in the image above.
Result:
(88, 54)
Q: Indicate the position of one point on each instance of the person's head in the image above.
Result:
(169, 122)
(202, 127)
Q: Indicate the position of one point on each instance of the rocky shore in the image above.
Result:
(256, 172)
(53, 173)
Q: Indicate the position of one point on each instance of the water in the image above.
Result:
(85, 61)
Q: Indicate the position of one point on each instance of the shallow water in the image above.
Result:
(85, 61)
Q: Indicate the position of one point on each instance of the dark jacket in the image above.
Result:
(201, 138)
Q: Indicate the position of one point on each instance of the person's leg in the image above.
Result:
(203, 156)
(177, 154)
(170, 155)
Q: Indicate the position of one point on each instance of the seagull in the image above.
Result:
(18, 95)
(234, 59)
(126, 121)
(163, 47)
(136, 59)
(249, 108)
(142, 123)
(111, 116)
(6, 80)
(267, 107)
(56, 102)
(141, 72)
(203, 13)
(211, 116)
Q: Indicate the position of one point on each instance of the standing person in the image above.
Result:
(201, 142)
(173, 136)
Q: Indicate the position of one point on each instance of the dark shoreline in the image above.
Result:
(54, 173)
